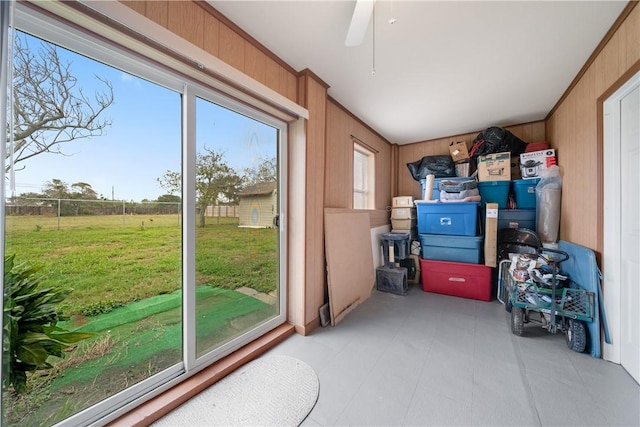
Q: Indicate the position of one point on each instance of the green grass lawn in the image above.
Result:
(108, 264)
(127, 289)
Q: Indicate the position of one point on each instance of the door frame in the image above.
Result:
(609, 115)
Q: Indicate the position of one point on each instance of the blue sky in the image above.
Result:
(144, 140)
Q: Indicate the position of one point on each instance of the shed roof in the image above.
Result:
(259, 189)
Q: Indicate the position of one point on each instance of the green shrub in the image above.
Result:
(30, 334)
(100, 307)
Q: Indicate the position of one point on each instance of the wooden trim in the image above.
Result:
(363, 144)
(635, 68)
(616, 25)
(619, 82)
(159, 406)
(226, 21)
(377, 217)
(308, 328)
(308, 73)
(356, 118)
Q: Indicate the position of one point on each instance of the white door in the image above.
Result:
(622, 225)
(630, 232)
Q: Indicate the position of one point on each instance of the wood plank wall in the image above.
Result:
(407, 186)
(341, 126)
(200, 24)
(313, 96)
(573, 130)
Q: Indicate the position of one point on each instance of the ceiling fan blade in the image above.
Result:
(359, 22)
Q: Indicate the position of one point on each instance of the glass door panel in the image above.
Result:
(88, 145)
(237, 241)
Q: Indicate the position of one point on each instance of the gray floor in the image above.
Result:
(428, 359)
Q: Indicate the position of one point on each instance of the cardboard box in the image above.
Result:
(491, 235)
(403, 224)
(494, 167)
(458, 151)
(532, 163)
(403, 213)
(403, 202)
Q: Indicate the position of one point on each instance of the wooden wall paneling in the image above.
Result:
(158, 12)
(290, 85)
(211, 41)
(139, 6)
(272, 76)
(394, 170)
(339, 160)
(632, 30)
(255, 63)
(572, 127)
(315, 100)
(231, 47)
(186, 19)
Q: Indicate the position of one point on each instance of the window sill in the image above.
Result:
(156, 408)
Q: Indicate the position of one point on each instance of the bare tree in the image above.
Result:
(266, 171)
(49, 108)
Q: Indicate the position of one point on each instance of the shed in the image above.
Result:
(258, 205)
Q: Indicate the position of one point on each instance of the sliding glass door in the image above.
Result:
(141, 227)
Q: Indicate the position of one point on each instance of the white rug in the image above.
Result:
(269, 391)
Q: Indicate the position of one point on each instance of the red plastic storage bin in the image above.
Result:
(457, 279)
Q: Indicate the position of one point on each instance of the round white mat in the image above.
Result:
(269, 391)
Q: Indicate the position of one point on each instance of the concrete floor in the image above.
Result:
(429, 359)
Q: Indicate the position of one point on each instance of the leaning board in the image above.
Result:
(350, 271)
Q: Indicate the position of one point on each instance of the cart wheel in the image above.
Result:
(517, 320)
(576, 335)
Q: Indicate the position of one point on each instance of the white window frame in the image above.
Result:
(368, 170)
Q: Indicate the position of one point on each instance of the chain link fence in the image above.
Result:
(63, 211)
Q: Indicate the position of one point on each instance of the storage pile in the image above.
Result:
(459, 218)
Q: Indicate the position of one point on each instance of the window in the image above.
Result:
(363, 177)
(142, 221)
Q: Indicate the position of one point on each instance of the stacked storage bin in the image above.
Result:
(403, 220)
(451, 249)
(403, 216)
(524, 213)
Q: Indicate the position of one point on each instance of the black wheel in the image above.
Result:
(577, 336)
(517, 320)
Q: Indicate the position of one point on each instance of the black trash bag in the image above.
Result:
(496, 140)
(440, 166)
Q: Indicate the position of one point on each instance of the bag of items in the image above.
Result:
(459, 191)
(439, 166)
(496, 140)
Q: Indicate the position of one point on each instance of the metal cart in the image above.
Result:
(566, 309)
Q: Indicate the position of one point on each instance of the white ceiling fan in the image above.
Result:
(359, 22)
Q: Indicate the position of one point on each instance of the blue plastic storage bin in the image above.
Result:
(525, 192)
(495, 192)
(451, 248)
(453, 218)
(517, 218)
(436, 182)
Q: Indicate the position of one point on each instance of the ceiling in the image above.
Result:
(444, 67)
